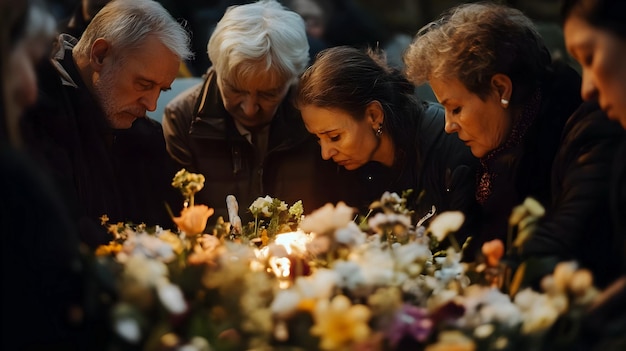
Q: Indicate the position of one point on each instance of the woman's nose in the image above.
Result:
(450, 126)
(327, 151)
(588, 90)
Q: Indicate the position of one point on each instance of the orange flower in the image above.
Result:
(111, 248)
(193, 219)
(493, 251)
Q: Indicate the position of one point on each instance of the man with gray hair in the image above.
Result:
(239, 128)
(89, 125)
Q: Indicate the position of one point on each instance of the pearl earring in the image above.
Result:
(504, 102)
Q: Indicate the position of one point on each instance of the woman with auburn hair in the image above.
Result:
(522, 116)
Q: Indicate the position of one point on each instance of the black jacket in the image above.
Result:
(124, 174)
(563, 161)
(437, 166)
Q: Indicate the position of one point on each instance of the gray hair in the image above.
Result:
(126, 24)
(263, 35)
(472, 42)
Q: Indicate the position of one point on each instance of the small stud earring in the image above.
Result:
(504, 102)
(379, 131)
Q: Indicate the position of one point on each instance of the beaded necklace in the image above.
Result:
(486, 173)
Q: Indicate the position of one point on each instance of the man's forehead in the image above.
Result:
(255, 83)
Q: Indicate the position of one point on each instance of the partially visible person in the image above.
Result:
(367, 120)
(595, 35)
(41, 261)
(315, 15)
(84, 11)
(88, 126)
(238, 128)
(522, 117)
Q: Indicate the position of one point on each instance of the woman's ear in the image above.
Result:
(503, 87)
(375, 114)
(99, 50)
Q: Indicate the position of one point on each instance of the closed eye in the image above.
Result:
(145, 85)
(456, 111)
(334, 138)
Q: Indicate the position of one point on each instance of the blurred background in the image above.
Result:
(387, 24)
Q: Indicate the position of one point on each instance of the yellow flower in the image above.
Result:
(338, 323)
(452, 341)
(111, 248)
(193, 219)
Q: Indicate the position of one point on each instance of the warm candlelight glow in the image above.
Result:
(281, 267)
(294, 242)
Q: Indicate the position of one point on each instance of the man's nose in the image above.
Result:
(249, 105)
(149, 100)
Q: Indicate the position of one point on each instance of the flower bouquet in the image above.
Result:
(320, 282)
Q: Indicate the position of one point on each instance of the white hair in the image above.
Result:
(126, 24)
(262, 35)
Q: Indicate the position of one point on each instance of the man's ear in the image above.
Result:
(375, 114)
(502, 86)
(100, 49)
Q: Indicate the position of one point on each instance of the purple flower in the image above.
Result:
(410, 321)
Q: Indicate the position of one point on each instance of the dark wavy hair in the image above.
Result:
(349, 79)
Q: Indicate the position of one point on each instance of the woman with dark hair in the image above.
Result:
(522, 117)
(368, 120)
(595, 35)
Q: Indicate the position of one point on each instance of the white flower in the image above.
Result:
(445, 223)
(172, 297)
(390, 197)
(128, 329)
(125, 323)
(487, 305)
(376, 266)
(328, 218)
(145, 271)
(286, 302)
(262, 204)
(534, 207)
(318, 245)
(538, 313)
(282, 206)
(350, 235)
(382, 220)
(410, 253)
(350, 275)
(197, 343)
(319, 285)
(149, 246)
